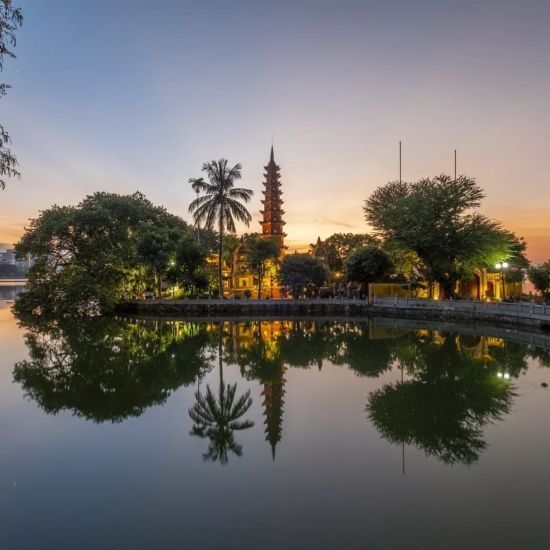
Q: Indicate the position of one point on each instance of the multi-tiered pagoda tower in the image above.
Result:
(272, 215)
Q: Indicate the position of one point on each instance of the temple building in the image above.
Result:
(319, 252)
(238, 281)
(272, 214)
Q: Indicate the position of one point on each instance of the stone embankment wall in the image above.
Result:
(324, 308)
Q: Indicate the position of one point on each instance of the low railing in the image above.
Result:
(248, 301)
(514, 309)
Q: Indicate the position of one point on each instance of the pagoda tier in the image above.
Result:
(272, 222)
(279, 212)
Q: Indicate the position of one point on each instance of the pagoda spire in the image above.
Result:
(272, 214)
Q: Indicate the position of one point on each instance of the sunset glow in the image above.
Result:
(120, 96)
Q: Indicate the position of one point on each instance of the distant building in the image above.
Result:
(8, 257)
(319, 252)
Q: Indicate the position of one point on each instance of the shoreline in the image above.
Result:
(348, 309)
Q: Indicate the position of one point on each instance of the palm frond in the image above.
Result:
(198, 184)
(240, 194)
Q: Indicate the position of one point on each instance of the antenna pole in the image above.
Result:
(400, 251)
(399, 162)
(455, 164)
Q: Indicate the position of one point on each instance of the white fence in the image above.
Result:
(511, 309)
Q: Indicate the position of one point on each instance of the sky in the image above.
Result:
(126, 95)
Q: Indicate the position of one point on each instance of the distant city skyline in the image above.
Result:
(127, 96)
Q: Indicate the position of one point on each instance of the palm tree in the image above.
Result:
(220, 206)
(196, 185)
(217, 418)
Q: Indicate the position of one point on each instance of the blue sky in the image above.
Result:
(126, 95)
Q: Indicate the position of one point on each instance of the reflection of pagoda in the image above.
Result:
(272, 215)
(273, 403)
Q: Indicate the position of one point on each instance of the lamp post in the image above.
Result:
(501, 266)
(172, 264)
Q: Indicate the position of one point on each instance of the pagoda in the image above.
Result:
(272, 215)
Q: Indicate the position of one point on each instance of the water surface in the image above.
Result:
(126, 433)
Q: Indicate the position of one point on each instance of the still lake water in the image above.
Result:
(328, 434)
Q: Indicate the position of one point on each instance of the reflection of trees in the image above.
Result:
(307, 343)
(217, 418)
(106, 369)
(444, 409)
(363, 355)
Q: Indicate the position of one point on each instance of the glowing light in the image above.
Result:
(506, 376)
(504, 264)
(498, 266)
(499, 374)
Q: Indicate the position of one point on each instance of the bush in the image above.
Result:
(326, 293)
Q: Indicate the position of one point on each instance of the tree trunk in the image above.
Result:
(220, 256)
(448, 286)
(260, 279)
(160, 285)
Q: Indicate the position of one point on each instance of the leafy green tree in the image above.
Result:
(230, 244)
(156, 248)
(299, 271)
(261, 254)
(518, 264)
(540, 277)
(220, 206)
(340, 245)
(83, 253)
(434, 219)
(191, 264)
(10, 20)
(367, 265)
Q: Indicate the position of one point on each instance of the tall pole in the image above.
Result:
(400, 251)
(399, 162)
(455, 164)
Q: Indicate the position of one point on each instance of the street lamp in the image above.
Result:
(502, 266)
(173, 296)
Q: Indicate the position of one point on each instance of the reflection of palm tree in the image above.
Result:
(217, 418)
